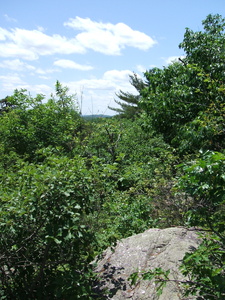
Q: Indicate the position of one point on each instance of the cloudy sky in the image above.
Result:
(91, 46)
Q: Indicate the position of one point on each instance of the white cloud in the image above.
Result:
(108, 38)
(9, 19)
(101, 37)
(41, 89)
(13, 78)
(171, 59)
(44, 77)
(13, 50)
(45, 71)
(116, 76)
(99, 93)
(141, 68)
(16, 65)
(112, 80)
(40, 28)
(3, 33)
(30, 44)
(13, 81)
(69, 64)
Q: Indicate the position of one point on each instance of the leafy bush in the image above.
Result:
(204, 181)
(29, 124)
(45, 245)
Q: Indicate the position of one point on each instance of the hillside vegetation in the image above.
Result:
(71, 187)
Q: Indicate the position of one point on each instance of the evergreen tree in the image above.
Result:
(129, 106)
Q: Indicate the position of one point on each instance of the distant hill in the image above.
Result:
(90, 117)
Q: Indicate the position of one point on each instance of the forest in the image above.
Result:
(72, 187)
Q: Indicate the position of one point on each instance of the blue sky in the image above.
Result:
(91, 46)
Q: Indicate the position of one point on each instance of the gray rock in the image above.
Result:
(153, 248)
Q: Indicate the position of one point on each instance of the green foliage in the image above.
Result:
(129, 108)
(45, 244)
(185, 103)
(60, 207)
(177, 95)
(205, 269)
(29, 124)
(206, 48)
(205, 132)
(184, 91)
(159, 276)
(169, 100)
(204, 181)
(128, 165)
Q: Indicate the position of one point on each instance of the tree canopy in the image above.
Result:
(182, 94)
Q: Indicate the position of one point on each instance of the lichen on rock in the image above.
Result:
(154, 248)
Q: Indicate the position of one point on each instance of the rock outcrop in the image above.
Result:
(153, 248)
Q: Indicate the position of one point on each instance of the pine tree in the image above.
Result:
(129, 107)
